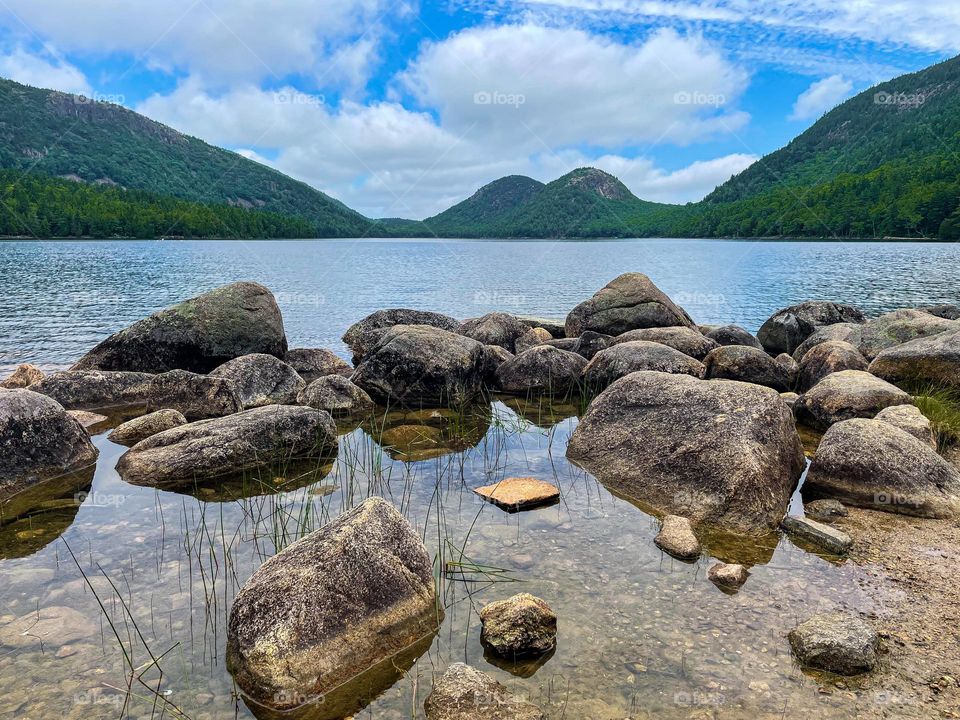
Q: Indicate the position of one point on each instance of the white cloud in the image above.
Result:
(30, 69)
(820, 97)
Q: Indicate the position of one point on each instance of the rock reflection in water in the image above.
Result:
(262, 482)
(411, 436)
(544, 412)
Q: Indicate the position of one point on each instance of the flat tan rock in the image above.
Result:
(519, 493)
(86, 418)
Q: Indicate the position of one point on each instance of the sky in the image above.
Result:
(402, 108)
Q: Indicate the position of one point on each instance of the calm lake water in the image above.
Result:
(149, 575)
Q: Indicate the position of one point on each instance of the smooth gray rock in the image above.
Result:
(197, 335)
(520, 626)
(844, 332)
(261, 380)
(337, 395)
(733, 335)
(909, 419)
(422, 366)
(846, 395)
(719, 452)
(495, 329)
(628, 302)
(332, 605)
(197, 396)
(786, 329)
(621, 359)
(688, 340)
(531, 338)
(364, 334)
(230, 445)
(827, 358)
(133, 431)
(872, 464)
(835, 642)
(24, 376)
(463, 693)
(823, 536)
(676, 538)
(313, 363)
(932, 361)
(746, 364)
(541, 369)
(38, 441)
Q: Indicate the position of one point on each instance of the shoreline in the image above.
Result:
(762, 239)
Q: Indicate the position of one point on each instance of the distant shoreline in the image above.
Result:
(769, 239)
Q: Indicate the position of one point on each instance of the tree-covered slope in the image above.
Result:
(63, 135)
(487, 207)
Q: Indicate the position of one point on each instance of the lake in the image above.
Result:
(144, 578)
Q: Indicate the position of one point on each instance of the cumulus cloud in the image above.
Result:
(821, 96)
(53, 74)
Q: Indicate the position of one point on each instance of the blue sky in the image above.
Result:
(403, 108)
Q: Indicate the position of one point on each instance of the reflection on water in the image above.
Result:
(640, 634)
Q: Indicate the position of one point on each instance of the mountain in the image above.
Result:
(487, 207)
(72, 137)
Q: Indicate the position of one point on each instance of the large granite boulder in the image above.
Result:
(786, 329)
(909, 419)
(24, 376)
(364, 334)
(261, 379)
(629, 302)
(718, 452)
(495, 328)
(898, 327)
(747, 364)
(226, 446)
(872, 464)
(38, 441)
(688, 340)
(928, 361)
(313, 363)
(733, 335)
(332, 605)
(463, 693)
(827, 358)
(96, 389)
(844, 332)
(140, 428)
(836, 642)
(337, 395)
(197, 396)
(621, 359)
(846, 395)
(541, 369)
(197, 335)
(420, 366)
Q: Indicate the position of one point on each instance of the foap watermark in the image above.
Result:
(893, 499)
(888, 697)
(698, 97)
(899, 99)
(698, 698)
(96, 696)
(496, 97)
(288, 298)
(499, 298)
(294, 699)
(294, 97)
(99, 499)
(112, 99)
(697, 298)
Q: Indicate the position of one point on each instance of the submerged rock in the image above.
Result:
(133, 431)
(746, 364)
(872, 464)
(49, 627)
(519, 493)
(835, 642)
(786, 329)
(228, 446)
(688, 340)
(363, 335)
(261, 380)
(337, 395)
(719, 452)
(24, 376)
(38, 441)
(732, 335)
(496, 328)
(909, 419)
(629, 302)
(331, 605)
(542, 369)
(88, 419)
(313, 363)
(621, 359)
(421, 366)
(933, 361)
(197, 335)
(846, 395)
(728, 576)
(827, 358)
(520, 626)
(463, 693)
(676, 538)
(825, 509)
(823, 536)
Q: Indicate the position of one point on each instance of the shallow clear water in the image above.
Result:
(641, 635)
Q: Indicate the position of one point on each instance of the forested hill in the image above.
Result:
(69, 136)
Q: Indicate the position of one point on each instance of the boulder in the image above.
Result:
(531, 338)
(337, 395)
(746, 364)
(835, 642)
(845, 395)
(24, 376)
(845, 332)
(826, 358)
(140, 428)
(495, 329)
(945, 311)
(786, 329)
(363, 335)
(719, 452)
(261, 380)
(88, 419)
(587, 345)
(822, 536)
(676, 538)
(872, 464)
(198, 335)
(690, 341)
(629, 302)
(519, 493)
(419, 365)
(313, 363)
(520, 626)
(621, 359)
(790, 366)
(733, 335)
(197, 396)
(728, 576)
(542, 369)
(496, 356)
(898, 327)
(909, 419)
(556, 327)
(932, 361)
(825, 509)
(38, 441)
(331, 605)
(230, 445)
(463, 693)
(790, 398)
